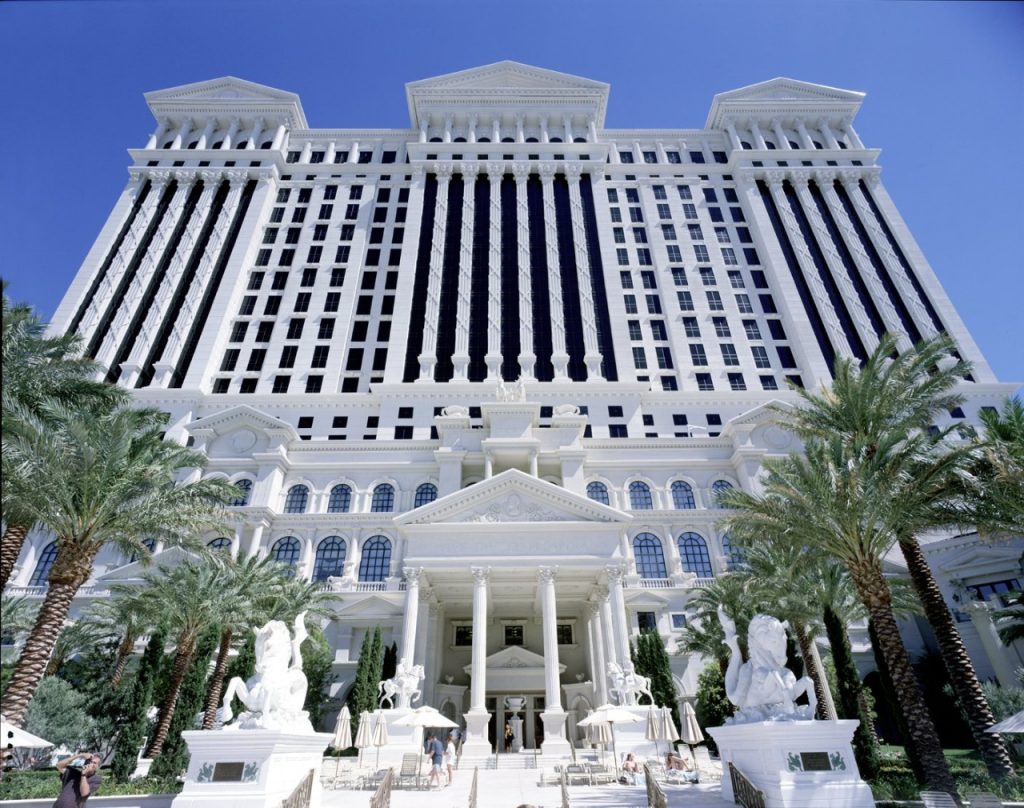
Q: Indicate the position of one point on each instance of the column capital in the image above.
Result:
(418, 170)
(800, 179)
(596, 174)
(573, 171)
(547, 173)
(481, 575)
(136, 175)
(412, 575)
(872, 176)
(521, 172)
(236, 178)
(745, 180)
(615, 573)
(495, 168)
(602, 594)
(546, 575)
(443, 172)
(160, 178)
(775, 178)
(825, 176)
(470, 168)
(209, 175)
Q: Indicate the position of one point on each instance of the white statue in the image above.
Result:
(763, 688)
(455, 410)
(275, 695)
(508, 393)
(567, 409)
(628, 684)
(405, 685)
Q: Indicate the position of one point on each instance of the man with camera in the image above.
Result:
(79, 778)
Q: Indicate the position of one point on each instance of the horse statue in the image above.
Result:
(275, 695)
(405, 685)
(763, 688)
(628, 685)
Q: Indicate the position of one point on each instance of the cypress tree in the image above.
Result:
(390, 666)
(173, 757)
(138, 700)
(652, 654)
(357, 696)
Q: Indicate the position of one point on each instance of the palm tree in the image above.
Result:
(77, 637)
(36, 368)
(876, 408)
(16, 616)
(102, 477)
(128, 619)
(999, 498)
(836, 499)
(740, 598)
(191, 598)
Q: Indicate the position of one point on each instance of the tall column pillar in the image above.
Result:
(588, 311)
(618, 606)
(448, 123)
(471, 135)
(157, 136)
(559, 357)
(279, 134)
(433, 634)
(307, 151)
(460, 359)
(493, 358)
(592, 130)
(424, 124)
(254, 135)
(734, 139)
(545, 133)
(998, 654)
(208, 130)
(780, 135)
(567, 124)
(255, 541)
(428, 352)
(407, 649)
(826, 132)
(846, 125)
(478, 718)
(496, 130)
(554, 716)
(805, 137)
(527, 358)
(182, 133)
(353, 154)
(755, 132)
(229, 136)
(600, 661)
(520, 136)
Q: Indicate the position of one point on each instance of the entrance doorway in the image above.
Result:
(531, 733)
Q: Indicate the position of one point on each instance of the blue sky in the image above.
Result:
(945, 85)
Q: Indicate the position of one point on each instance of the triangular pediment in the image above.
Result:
(135, 570)
(507, 74)
(243, 416)
(228, 95)
(227, 88)
(972, 560)
(782, 95)
(512, 496)
(515, 657)
(372, 605)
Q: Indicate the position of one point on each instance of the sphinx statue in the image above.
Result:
(275, 694)
(763, 688)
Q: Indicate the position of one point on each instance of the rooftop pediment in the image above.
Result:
(512, 496)
(241, 416)
(782, 96)
(228, 95)
(133, 571)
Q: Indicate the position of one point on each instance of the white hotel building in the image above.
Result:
(328, 314)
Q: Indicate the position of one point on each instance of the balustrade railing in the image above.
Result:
(382, 796)
(655, 793)
(472, 788)
(565, 789)
(744, 792)
(300, 797)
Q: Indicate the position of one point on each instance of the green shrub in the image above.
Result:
(45, 784)
(713, 706)
(895, 780)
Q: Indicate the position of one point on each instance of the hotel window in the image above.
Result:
(689, 211)
(697, 355)
(744, 305)
(281, 384)
(288, 354)
(463, 636)
(514, 635)
(563, 632)
(736, 381)
(700, 252)
(691, 327)
(664, 212)
(715, 301)
(297, 499)
(375, 565)
(622, 256)
(679, 276)
(650, 157)
(295, 328)
(265, 331)
(632, 325)
(653, 304)
(751, 329)
(625, 157)
(786, 357)
(383, 499)
(659, 192)
(598, 492)
(696, 157)
(630, 301)
(722, 235)
(767, 304)
(721, 327)
(643, 257)
(668, 232)
(618, 431)
(736, 279)
(658, 330)
(425, 494)
(649, 556)
(255, 281)
(330, 559)
(729, 256)
(639, 358)
(664, 357)
(769, 383)
(648, 621)
(326, 329)
(636, 215)
(693, 552)
(704, 382)
(682, 496)
(320, 355)
(648, 280)
(256, 357)
(685, 301)
(286, 552)
(640, 235)
(750, 255)
(613, 195)
(737, 214)
(760, 356)
(616, 215)
(673, 157)
(619, 235)
(684, 192)
(340, 500)
(673, 252)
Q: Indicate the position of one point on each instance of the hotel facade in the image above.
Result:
(485, 377)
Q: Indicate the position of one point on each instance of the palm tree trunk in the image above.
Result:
(216, 685)
(958, 663)
(804, 640)
(851, 703)
(70, 570)
(124, 652)
(10, 549)
(875, 595)
(182, 660)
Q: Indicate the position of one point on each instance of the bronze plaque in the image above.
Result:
(815, 761)
(227, 773)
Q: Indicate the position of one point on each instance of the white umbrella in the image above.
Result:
(691, 733)
(612, 714)
(343, 730)
(600, 732)
(380, 734)
(16, 738)
(655, 730)
(364, 735)
(670, 725)
(424, 717)
(1015, 723)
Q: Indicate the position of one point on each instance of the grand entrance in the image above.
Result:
(529, 733)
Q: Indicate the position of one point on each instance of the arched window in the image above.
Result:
(149, 544)
(244, 492)
(483, 140)
(458, 140)
(330, 559)
(383, 499)
(735, 557)
(817, 145)
(193, 144)
(286, 551)
(682, 496)
(745, 145)
(579, 140)
(376, 559)
(435, 140)
(769, 144)
(168, 144)
(719, 487)
(220, 543)
(794, 145)
(218, 144)
(425, 494)
(640, 496)
(267, 144)
(531, 140)
(46, 558)
(297, 499)
(598, 492)
(650, 558)
(555, 140)
(242, 145)
(340, 500)
(693, 551)
(508, 140)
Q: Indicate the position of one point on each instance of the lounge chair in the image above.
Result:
(983, 799)
(409, 770)
(937, 799)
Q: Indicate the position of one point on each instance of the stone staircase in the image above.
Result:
(516, 760)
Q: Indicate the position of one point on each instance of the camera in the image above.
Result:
(78, 764)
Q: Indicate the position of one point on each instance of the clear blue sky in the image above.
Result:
(945, 103)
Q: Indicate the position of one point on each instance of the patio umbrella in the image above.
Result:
(424, 717)
(1015, 723)
(16, 738)
(600, 732)
(612, 714)
(364, 735)
(380, 735)
(655, 730)
(691, 733)
(342, 730)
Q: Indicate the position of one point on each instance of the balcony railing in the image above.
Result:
(685, 582)
(348, 585)
(87, 591)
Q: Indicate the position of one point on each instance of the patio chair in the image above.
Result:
(983, 799)
(347, 777)
(937, 799)
(577, 774)
(601, 775)
(329, 771)
(706, 769)
(409, 770)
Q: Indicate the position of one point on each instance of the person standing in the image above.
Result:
(79, 779)
(436, 754)
(449, 757)
(508, 737)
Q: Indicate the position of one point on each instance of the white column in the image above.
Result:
(182, 133)
(428, 352)
(353, 154)
(307, 150)
(255, 541)
(545, 134)
(854, 305)
(567, 123)
(448, 129)
(554, 714)
(208, 130)
(600, 663)
(332, 149)
(734, 139)
(611, 653)
(460, 359)
(780, 134)
(805, 137)
(998, 654)
(527, 358)
(810, 272)
(846, 125)
(755, 131)
(592, 130)
(496, 129)
(893, 266)
(826, 132)
(478, 718)
(559, 357)
(495, 174)
(424, 125)
(254, 135)
(471, 134)
(618, 606)
(279, 134)
(433, 633)
(592, 353)
(407, 648)
(520, 136)
(157, 136)
(229, 137)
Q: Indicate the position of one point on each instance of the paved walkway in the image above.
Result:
(511, 788)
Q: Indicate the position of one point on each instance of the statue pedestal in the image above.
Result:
(256, 768)
(477, 744)
(517, 732)
(555, 743)
(797, 764)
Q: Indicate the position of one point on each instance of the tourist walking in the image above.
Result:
(436, 754)
(449, 757)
